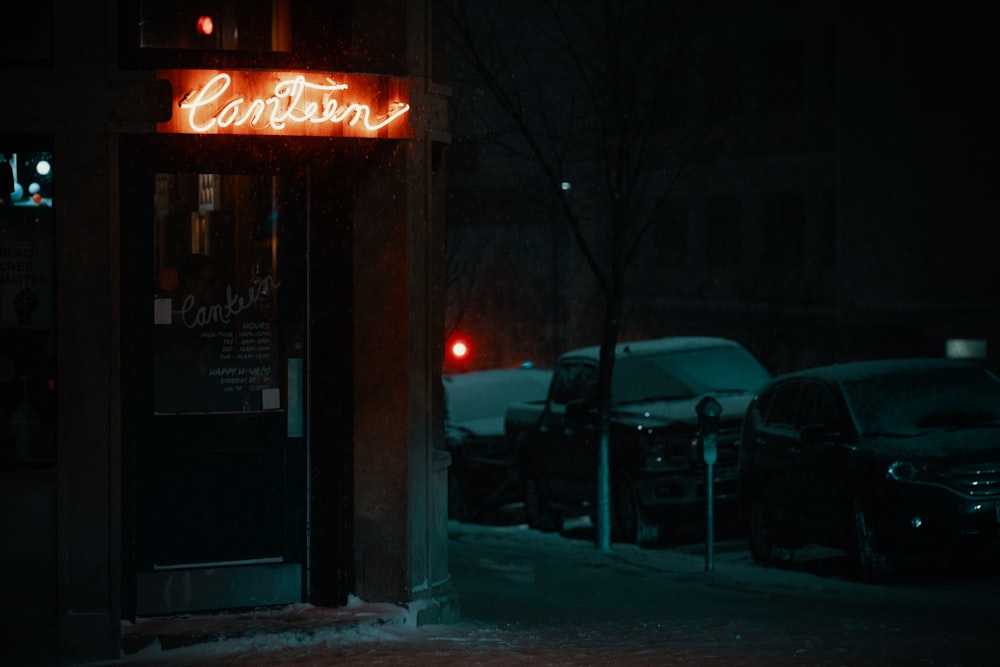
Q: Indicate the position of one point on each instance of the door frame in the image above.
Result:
(327, 473)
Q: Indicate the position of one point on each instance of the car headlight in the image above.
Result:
(903, 471)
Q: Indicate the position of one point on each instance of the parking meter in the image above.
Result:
(709, 410)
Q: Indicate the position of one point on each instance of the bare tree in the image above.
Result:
(463, 256)
(592, 92)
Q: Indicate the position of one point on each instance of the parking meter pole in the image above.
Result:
(708, 410)
(709, 518)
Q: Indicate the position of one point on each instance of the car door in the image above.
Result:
(569, 452)
(777, 452)
(825, 470)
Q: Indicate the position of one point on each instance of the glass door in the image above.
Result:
(216, 448)
(217, 295)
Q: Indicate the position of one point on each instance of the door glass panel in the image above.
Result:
(785, 406)
(819, 408)
(217, 289)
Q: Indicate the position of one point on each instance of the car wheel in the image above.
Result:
(629, 521)
(872, 564)
(763, 543)
(537, 512)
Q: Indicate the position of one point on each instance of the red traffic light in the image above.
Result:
(458, 349)
(457, 353)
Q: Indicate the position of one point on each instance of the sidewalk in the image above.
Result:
(299, 621)
(303, 623)
(297, 625)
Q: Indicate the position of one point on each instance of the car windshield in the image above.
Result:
(483, 398)
(915, 402)
(686, 374)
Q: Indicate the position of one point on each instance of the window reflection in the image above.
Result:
(26, 178)
(216, 25)
(216, 294)
(27, 344)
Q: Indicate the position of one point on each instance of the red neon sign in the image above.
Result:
(287, 103)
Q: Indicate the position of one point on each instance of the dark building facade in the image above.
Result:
(847, 214)
(222, 258)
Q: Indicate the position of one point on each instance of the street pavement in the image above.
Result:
(529, 598)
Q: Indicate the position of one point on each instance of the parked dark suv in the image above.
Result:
(885, 459)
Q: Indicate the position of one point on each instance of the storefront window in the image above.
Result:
(216, 25)
(217, 293)
(27, 344)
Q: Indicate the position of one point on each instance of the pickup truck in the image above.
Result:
(657, 467)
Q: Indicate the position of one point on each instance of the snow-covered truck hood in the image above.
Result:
(669, 411)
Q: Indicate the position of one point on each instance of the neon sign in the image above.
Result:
(243, 102)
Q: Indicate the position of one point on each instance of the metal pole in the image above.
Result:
(708, 410)
(709, 522)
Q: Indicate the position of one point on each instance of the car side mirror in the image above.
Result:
(817, 433)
